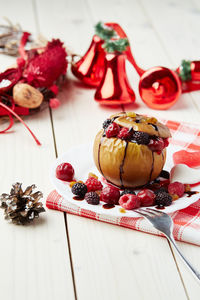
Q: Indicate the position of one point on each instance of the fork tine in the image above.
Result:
(151, 213)
(145, 213)
(156, 212)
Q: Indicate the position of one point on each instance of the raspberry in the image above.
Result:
(79, 189)
(124, 134)
(147, 197)
(166, 142)
(127, 192)
(163, 199)
(92, 198)
(106, 123)
(176, 188)
(112, 130)
(65, 171)
(156, 145)
(129, 201)
(110, 195)
(141, 137)
(93, 184)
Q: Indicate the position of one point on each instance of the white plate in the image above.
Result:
(81, 158)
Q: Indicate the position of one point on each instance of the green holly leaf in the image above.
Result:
(119, 45)
(185, 70)
(104, 32)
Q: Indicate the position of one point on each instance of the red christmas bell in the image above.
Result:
(159, 87)
(114, 88)
(90, 67)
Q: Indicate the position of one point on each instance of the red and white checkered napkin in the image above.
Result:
(186, 221)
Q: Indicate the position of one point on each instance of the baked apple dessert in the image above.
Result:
(130, 150)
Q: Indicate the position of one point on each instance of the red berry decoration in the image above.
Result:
(147, 197)
(112, 130)
(124, 134)
(129, 201)
(176, 188)
(93, 184)
(156, 145)
(65, 172)
(110, 195)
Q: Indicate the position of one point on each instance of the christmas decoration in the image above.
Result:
(21, 207)
(90, 67)
(189, 72)
(35, 79)
(114, 88)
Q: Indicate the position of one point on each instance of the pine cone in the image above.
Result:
(22, 207)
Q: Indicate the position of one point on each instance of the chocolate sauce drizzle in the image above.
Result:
(121, 168)
(151, 166)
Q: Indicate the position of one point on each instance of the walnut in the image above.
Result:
(27, 96)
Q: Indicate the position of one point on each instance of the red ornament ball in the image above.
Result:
(159, 88)
(65, 172)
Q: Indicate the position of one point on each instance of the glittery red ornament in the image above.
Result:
(114, 88)
(44, 69)
(90, 67)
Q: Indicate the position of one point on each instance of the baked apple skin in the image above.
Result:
(126, 164)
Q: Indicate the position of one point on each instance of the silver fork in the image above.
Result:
(164, 224)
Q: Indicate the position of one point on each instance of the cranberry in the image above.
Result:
(112, 130)
(147, 197)
(110, 195)
(65, 172)
(156, 145)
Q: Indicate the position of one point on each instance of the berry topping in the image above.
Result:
(162, 189)
(124, 134)
(112, 130)
(106, 123)
(156, 145)
(65, 171)
(166, 142)
(79, 189)
(110, 195)
(93, 184)
(163, 199)
(164, 174)
(147, 197)
(176, 188)
(141, 137)
(129, 201)
(127, 192)
(92, 198)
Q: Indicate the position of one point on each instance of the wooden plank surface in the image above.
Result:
(108, 262)
(35, 262)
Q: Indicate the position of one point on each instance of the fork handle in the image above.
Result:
(195, 272)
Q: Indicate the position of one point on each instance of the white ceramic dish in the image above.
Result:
(81, 158)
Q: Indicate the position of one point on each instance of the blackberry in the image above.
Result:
(127, 192)
(163, 199)
(141, 137)
(161, 190)
(106, 123)
(79, 189)
(92, 198)
(164, 174)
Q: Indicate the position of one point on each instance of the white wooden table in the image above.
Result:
(68, 257)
